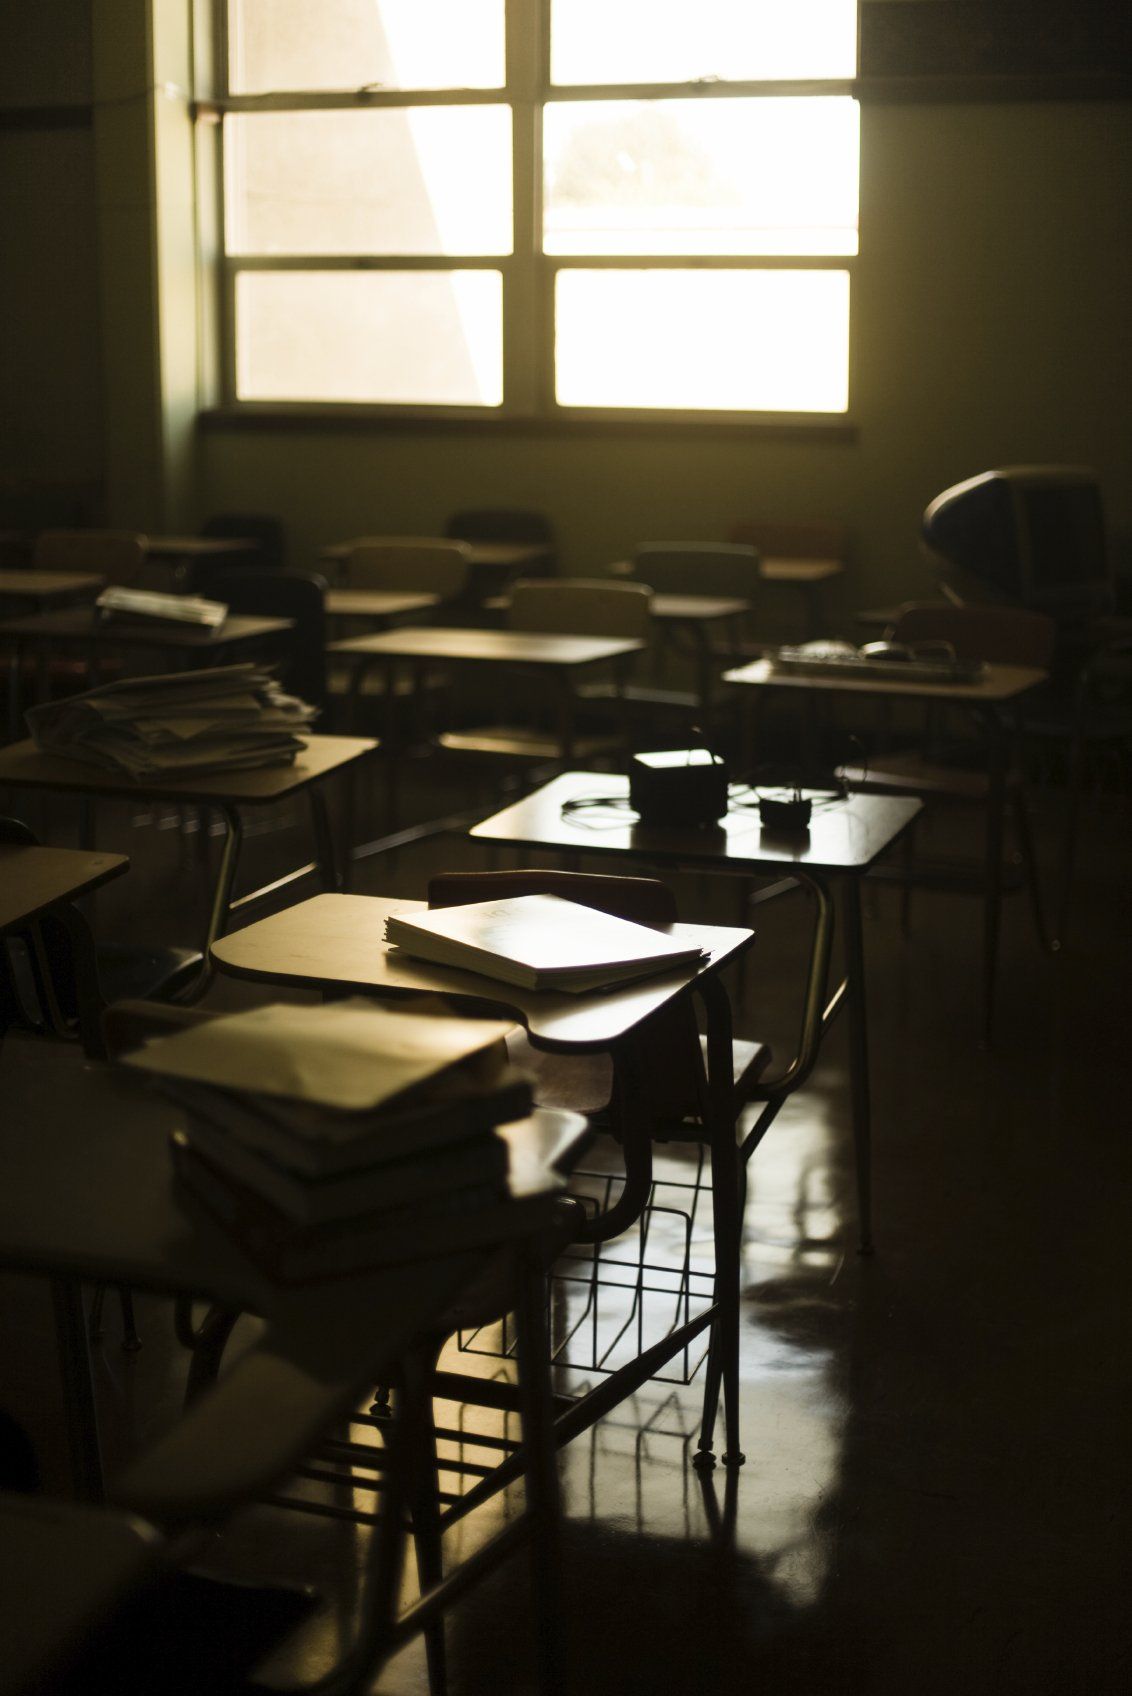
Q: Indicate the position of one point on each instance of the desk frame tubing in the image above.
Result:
(81, 1413)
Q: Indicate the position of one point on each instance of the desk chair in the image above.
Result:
(425, 565)
(658, 1081)
(1009, 636)
(264, 529)
(67, 981)
(504, 524)
(800, 557)
(298, 595)
(565, 606)
(404, 1470)
(727, 569)
(432, 566)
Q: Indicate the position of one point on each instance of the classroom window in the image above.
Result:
(539, 207)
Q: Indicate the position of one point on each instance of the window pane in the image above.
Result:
(428, 180)
(423, 337)
(774, 341)
(630, 41)
(345, 44)
(699, 176)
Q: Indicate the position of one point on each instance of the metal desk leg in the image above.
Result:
(221, 899)
(565, 723)
(858, 1058)
(541, 1474)
(328, 869)
(723, 1357)
(78, 1389)
(992, 899)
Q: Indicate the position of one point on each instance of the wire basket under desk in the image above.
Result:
(608, 1302)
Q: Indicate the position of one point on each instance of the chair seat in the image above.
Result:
(157, 974)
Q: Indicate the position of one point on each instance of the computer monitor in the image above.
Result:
(1031, 534)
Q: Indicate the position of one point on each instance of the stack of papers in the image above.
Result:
(221, 719)
(333, 1138)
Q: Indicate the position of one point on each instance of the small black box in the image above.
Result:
(678, 786)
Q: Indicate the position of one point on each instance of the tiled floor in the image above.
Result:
(935, 1497)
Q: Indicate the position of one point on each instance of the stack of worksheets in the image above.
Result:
(221, 719)
(333, 1138)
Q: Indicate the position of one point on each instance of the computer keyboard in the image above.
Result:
(835, 659)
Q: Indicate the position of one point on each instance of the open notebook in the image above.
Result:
(540, 942)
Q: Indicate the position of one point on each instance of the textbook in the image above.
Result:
(392, 1185)
(143, 606)
(308, 1096)
(445, 1222)
(315, 1143)
(349, 1056)
(540, 942)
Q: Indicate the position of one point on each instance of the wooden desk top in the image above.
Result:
(846, 836)
(679, 609)
(998, 683)
(32, 880)
(36, 585)
(83, 624)
(697, 609)
(377, 603)
(24, 767)
(781, 569)
(198, 547)
(510, 647)
(338, 941)
(504, 555)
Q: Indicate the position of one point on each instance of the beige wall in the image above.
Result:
(50, 358)
(991, 325)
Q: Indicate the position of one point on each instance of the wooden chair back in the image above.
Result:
(260, 527)
(580, 606)
(434, 566)
(500, 524)
(1002, 635)
(297, 595)
(118, 555)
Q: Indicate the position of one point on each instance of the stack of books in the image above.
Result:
(331, 1139)
(221, 719)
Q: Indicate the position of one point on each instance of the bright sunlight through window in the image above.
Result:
(414, 220)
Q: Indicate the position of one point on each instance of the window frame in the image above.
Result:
(528, 274)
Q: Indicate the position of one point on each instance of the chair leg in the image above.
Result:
(1069, 841)
(425, 1510)
(1021, 812)
(131, 1342)
(541, 1475)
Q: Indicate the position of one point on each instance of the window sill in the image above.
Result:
(818, 428)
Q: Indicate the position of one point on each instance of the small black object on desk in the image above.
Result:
(678, 786)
